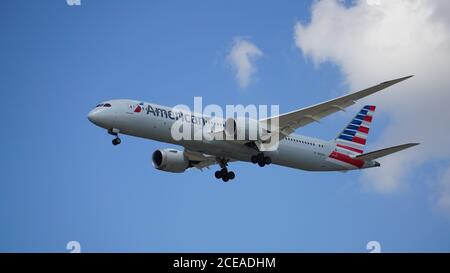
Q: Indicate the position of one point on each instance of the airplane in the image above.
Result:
(344, 153)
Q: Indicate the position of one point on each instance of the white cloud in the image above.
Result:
(389, 39)
(242, 57)
(443, 190)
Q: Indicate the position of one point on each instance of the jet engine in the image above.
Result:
(170, 160)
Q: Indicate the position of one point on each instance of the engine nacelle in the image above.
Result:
(170, 160)
(244, 129)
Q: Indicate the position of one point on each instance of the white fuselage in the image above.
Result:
(294, 151)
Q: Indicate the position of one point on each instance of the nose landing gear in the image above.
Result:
(115, 132)
(116, 141)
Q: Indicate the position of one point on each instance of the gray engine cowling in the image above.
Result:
(170, 160)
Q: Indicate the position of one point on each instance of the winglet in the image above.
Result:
(392, 82)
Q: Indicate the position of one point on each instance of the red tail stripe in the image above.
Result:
(368, 118)
(363, 129)
(345, 158)
(350, 148)
(359, 140)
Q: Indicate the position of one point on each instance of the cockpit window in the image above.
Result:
(103, 105)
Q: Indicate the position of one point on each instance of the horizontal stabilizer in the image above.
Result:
(384, 152)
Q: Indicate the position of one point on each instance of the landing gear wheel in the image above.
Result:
(116, 141)
(260, 157)
(223, 172)
(231, 175)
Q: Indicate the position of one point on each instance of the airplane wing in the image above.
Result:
(384, 152)
(287, 123)
(200, 160)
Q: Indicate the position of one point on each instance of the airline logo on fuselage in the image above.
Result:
(170, 114)
(138, 108)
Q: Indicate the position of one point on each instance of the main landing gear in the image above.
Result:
(261, 159)
(223, 173)
(115, 132)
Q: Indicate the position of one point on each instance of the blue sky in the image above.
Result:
(62, 180)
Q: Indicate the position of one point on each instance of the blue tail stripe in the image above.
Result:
(349, 138)
(349, 132)
(356, 122)
(352, 127)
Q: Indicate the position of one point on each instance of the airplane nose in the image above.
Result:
(101, 118)
(93, 117)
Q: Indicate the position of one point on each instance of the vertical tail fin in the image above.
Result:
(352, 139)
